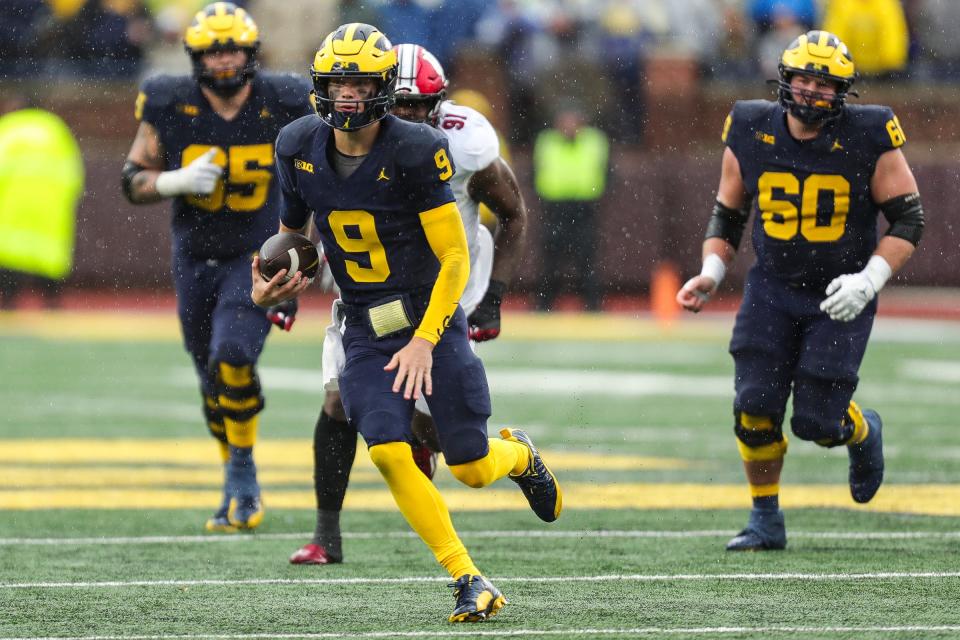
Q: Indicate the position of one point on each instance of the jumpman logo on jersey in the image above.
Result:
(383, 175)
(836, 146)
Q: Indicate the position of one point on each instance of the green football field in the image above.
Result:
(107, 477)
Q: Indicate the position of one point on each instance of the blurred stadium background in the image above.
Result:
(658, 77)
(107, 472)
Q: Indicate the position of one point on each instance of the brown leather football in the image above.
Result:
(291, 251)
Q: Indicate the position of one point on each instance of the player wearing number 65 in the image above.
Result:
(207, 142)
(820, 172)
(379, 192)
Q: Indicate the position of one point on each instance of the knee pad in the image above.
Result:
(824, 432)
(477, 473)
(214, 419)
(759, 437)
(239, 395)
(391, 456)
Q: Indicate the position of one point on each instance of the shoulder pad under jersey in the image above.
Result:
(415, 143)
(743, 118)
(474, 143)
(292, 91)
(159, 92)
(295, 135)
(877, 124)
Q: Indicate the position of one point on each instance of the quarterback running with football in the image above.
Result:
(820, 171)
(206, 142)
(377, 189)
(481, 176)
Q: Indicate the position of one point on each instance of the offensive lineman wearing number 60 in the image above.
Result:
(378, 189)
(207, 143)
(820, 171)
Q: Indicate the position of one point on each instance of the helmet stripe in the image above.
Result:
(348, 35)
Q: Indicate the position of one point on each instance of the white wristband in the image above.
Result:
(878, 271)
(714, 268)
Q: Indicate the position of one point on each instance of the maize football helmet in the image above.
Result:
(354, 50)
(820, 54)
(222, 26)
(420, 79)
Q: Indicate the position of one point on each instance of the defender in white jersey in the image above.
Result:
(481, 176)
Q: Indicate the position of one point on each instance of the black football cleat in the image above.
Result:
(765, 531)
(477, 599)
(537, 482)
(218, 522)
(866, 460)
(245, 512)
(246, 507)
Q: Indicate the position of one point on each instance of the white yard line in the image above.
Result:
(532, 533)
(523, 633)
(616, 577)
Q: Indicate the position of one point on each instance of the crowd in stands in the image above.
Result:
(546, 48)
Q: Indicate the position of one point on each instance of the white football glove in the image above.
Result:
(847, 295)
(199, 177)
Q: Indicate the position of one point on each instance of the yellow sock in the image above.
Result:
(504, 457)
(242, 433)
(764, 490)
(422, 506)
(516, 454)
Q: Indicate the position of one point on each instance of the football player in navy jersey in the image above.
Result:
(481, 177)
(820, 172)
(206, 142)
(378, 191)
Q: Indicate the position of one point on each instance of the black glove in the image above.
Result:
(283, 314)
(485, 320)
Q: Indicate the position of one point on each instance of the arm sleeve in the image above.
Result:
(444, 230)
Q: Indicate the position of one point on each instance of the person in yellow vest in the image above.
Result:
(41, 181)
(875, 30)
(570, 164)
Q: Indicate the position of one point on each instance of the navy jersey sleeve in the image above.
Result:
(293, 93)
(885, 130)
(740, 122)
(429, 170)
(294, 212)
(156, 95)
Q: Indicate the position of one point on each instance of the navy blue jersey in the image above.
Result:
(242, 211)
(814, 216)
(369, 222)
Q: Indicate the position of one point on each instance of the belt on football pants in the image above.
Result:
(391, 315)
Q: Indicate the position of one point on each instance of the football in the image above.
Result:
(290, 251)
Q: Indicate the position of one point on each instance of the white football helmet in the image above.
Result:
(420, 78)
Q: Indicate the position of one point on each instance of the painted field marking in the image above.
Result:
(925, 499)
(616, 577)
(530, 533)
(523, 633)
